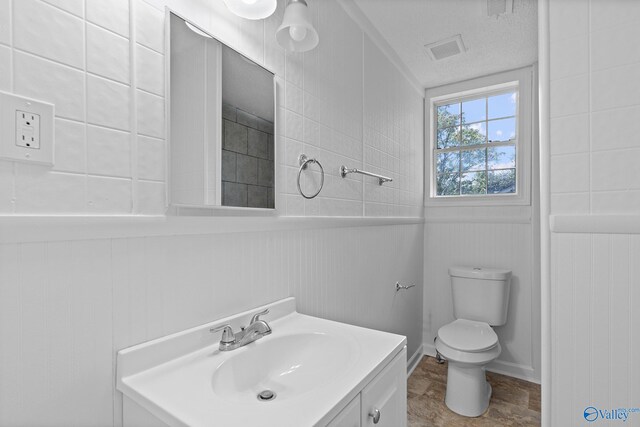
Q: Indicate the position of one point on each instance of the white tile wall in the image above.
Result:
(5, 68)
(108, 152)
(147, 64)
(32, 17)
(71, 146)
(332, 104)
(110, 14)
(107, 54)
(594, 277)
(5, 21)
(595, 105)
(72, 6)
(67, 307)
(52, 82)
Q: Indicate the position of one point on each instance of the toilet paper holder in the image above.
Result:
(403, 287)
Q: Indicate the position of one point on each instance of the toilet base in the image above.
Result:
(468, 392)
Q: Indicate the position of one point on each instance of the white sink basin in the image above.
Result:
(289, 365)
(314, 367)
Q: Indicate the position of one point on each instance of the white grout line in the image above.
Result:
(133, 103)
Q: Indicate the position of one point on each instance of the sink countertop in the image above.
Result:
(183, 378)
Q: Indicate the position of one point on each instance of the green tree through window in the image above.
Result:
(479, 157)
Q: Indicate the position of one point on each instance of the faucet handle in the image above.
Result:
(227, 333)
(256, 316)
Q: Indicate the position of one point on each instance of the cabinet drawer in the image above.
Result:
(349, 416)
(387, 393)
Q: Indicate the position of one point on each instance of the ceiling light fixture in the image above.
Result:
(296, 34)
(252, 9)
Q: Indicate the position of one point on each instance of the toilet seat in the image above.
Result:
(468, 336)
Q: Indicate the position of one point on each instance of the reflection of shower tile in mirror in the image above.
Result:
(257, 196)
(228, 166)
(246, 119)
(235, 137)
(247, 169)
(265, 172)
(247, 159)
(258, 145)
(234, 194)
(229, 112)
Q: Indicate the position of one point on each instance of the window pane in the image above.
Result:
(474, 134)
(502, 130)
(448, 162)
(502, 182)
(502, 157)
(448, 184)
(474, 160)
(448, 137)
(448, 115)
(473, 183)
(503, 105)
(474, 111)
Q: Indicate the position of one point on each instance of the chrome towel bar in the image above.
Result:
(344, 171)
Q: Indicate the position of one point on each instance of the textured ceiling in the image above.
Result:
(493, 44)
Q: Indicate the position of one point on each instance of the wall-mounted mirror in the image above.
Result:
(222, 110)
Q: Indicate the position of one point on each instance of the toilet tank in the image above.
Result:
(480, 294)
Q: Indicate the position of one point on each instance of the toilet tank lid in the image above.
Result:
(480, 273)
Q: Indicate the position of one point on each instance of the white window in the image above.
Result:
(480, 141)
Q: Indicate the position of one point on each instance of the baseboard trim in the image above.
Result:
(514, 370)
(509, 369)
(429, 349)
(414, 360)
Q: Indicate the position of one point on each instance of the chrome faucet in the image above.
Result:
(257, 329)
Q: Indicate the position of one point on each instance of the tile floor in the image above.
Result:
(514, 402)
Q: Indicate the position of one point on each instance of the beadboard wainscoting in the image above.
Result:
(595, 292)
(66, 307)
(486, 238)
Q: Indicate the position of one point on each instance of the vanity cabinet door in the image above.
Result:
(349, 416)
(386, 395)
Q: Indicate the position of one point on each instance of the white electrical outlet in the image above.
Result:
(26, 129)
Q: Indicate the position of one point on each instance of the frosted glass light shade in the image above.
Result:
(252, 9)
(296, 34)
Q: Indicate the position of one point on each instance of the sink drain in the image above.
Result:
(266, 395)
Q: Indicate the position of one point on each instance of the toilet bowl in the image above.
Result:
(468, 347)
(469, 343)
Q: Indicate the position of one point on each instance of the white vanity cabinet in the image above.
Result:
(382, 402)
(349, 416)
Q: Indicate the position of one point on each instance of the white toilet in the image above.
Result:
(480, 300)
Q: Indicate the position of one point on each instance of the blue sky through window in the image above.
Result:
(474, 111)
(489, 122)
(502, 105)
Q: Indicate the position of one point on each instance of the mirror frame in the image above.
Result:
(213, 210)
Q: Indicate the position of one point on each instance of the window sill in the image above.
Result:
(477, 201)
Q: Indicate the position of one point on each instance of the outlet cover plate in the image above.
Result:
(11, 109)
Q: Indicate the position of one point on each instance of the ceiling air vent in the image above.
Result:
(446, 48)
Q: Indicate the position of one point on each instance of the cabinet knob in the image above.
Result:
(375, 414)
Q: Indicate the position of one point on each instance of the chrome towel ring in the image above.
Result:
(304, 161)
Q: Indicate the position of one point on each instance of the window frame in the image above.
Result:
(522, 80)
